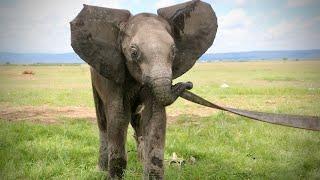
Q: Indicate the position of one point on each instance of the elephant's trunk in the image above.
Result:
(161, 88)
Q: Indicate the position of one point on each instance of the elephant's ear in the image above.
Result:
(95, 38)
(194, 26)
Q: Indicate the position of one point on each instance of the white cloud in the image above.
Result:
(299, 3)
(41, 25)
(236, 18)
(240, 2)
(283, 28)
(165, 3)
(238, 31)
(296, 34)
(235, 30)
(106, 3)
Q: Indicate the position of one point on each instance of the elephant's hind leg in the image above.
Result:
(102, 124)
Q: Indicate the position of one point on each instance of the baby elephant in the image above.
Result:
(133, 61)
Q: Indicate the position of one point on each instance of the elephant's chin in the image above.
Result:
(162, 91)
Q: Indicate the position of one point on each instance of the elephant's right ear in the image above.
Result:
(95, 38)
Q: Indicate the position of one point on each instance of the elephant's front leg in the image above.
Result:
(154, 142)
(118, 117)
(116, 136)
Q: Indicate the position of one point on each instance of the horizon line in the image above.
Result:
(204, 53)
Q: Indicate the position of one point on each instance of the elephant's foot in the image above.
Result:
(153, 174)
(117, 167)
(155, 169)
(154, 165)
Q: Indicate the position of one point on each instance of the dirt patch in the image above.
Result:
(193, 110)
(29, 72)
(51, 115)
(45, 114)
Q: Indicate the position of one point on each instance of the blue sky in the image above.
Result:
(31, 26)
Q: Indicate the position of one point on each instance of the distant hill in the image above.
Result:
(33, 58)
(262, 55)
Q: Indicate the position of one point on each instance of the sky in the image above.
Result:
(42, 26)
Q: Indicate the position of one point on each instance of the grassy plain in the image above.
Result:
(224, 146)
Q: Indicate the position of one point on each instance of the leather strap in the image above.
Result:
(296, 121)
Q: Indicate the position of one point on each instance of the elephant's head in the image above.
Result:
(154, 49)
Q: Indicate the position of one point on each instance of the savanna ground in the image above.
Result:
(48, 128)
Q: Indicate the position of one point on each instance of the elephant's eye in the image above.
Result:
(134, 52)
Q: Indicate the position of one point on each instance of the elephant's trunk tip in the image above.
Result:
(162, 91)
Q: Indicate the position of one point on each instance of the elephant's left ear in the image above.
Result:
(194, 26)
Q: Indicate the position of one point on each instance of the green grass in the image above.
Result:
(225, 146)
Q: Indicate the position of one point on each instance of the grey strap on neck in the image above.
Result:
(296, 121)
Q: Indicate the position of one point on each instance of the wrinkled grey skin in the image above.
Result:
(133, 61)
